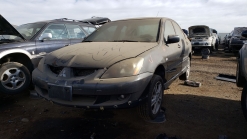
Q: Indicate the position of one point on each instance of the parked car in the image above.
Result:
(217, 41)
(202, 37)
(123, 64)
(236, 41)
(22, 47)
(241, 73)
(186, 32)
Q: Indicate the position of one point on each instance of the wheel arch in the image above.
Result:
(14, 56)
(160, 70)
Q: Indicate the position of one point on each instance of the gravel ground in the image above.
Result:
(205, 112)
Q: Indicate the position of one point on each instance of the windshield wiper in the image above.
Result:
(87, 41)
(124, 41)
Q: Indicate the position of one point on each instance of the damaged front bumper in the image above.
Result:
(91, 91)
(200, 44)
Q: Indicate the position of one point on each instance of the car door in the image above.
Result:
(182, 43)
(76, 34)
(58, 38)
(172, 52)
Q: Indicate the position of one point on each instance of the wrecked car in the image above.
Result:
(123, 64)
(241, 73)
(22, 47)
(201, 36)
(236, 41)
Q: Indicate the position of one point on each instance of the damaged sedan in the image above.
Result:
(122, 64)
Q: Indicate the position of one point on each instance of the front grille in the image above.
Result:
(56, 70)
(83, 72)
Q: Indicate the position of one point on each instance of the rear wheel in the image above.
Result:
(240, 80)
(186, 75)
(14, 78)
(151, 108)
(244, 101)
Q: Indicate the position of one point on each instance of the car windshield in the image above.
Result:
(26, 30)
(142, 30)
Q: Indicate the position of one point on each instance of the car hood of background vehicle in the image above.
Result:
(7, 29)
(191, 34)
(96, 54)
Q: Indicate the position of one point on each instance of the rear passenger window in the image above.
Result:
(89, 30)
(178, 30)
(169, 30)
(75, 32)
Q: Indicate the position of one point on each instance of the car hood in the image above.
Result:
(96, 54)
(194, 34)
(238, 30)
(7, 29)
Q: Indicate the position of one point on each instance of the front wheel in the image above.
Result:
(244, 101)
(151, 108)
(14, 78)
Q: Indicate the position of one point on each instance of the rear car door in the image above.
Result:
(59, 38)
(76, 34)
(172, 51)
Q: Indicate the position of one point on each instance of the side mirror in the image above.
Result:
(244, 33)
(173, 39)
(45, 36)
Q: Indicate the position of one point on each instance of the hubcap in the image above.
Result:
(156, 97)
(13, 78)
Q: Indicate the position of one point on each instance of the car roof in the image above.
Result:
(144, 18)
(63, 20)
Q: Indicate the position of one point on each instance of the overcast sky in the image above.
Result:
(222, 15)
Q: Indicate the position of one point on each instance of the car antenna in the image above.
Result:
(157, 13)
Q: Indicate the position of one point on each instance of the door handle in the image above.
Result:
(179, 46)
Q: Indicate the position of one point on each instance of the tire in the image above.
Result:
(14, 78)
(155, 89)
(240, 80)
(186, 75)
(244, 101)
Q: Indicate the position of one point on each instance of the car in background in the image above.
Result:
(186, 32)
(236, 41)
(217, 41)
(123, 64)
(201, 36)
(22, 47)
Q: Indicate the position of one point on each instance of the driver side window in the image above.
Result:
(169, 30)
(56, 31)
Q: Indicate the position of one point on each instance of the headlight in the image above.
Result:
(124, 68)
(41, 64)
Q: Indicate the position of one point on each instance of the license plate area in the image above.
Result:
(196, 43)
(61, 92)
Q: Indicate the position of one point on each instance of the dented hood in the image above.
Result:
(96, 54)
(7, 29)
(199, 30)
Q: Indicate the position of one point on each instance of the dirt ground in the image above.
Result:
(191, 112)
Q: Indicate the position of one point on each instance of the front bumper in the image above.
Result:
(91, 91)
(200, 44)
